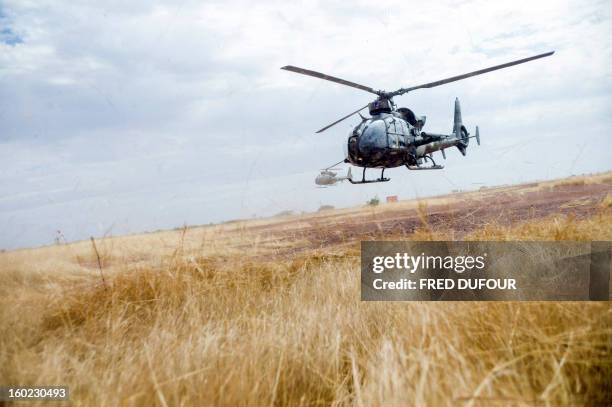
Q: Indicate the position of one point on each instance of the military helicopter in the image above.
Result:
(391, 136)
(329, 177)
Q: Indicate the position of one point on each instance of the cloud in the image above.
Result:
(7, 35)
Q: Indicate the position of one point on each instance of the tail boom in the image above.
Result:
(459, 138)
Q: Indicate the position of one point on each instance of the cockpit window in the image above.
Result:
(374, 135)
(357, 131)
(393, 131)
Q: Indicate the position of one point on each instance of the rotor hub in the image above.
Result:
(381, 105)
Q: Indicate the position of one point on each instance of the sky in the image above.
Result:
(121, 117)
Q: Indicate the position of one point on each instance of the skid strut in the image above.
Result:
(433, 165)
(370, 181)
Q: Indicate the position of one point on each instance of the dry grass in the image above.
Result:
(189, 318)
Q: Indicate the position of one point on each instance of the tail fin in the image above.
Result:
(347, 177)
(457, 122)
(459, 129)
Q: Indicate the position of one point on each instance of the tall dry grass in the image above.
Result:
(197, 326)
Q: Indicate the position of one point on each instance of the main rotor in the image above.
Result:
(388, 96)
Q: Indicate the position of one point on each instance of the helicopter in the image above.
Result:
(392, 137)
(329, 177)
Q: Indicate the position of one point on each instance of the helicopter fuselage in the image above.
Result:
(380, 141)
(394, 138)
(327, 178)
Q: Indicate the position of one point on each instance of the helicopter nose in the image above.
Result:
(373, 138)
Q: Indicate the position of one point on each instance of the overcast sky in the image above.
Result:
(119, 117)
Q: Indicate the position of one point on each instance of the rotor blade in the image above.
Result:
(327, 78)
(467, 75)
(339, 120)
(331, 166)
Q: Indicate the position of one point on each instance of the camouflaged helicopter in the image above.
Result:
(391, 136)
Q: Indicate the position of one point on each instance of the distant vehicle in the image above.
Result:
(393, 136)
(329, 177)
(392, 198)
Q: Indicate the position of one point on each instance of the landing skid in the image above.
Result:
(433, 165)
(370, 181)
(417, 168)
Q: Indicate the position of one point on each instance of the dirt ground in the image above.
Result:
(580, 197)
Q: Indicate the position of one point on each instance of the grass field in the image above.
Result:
(267, 312)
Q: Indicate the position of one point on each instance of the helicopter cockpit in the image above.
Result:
(381, 138)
